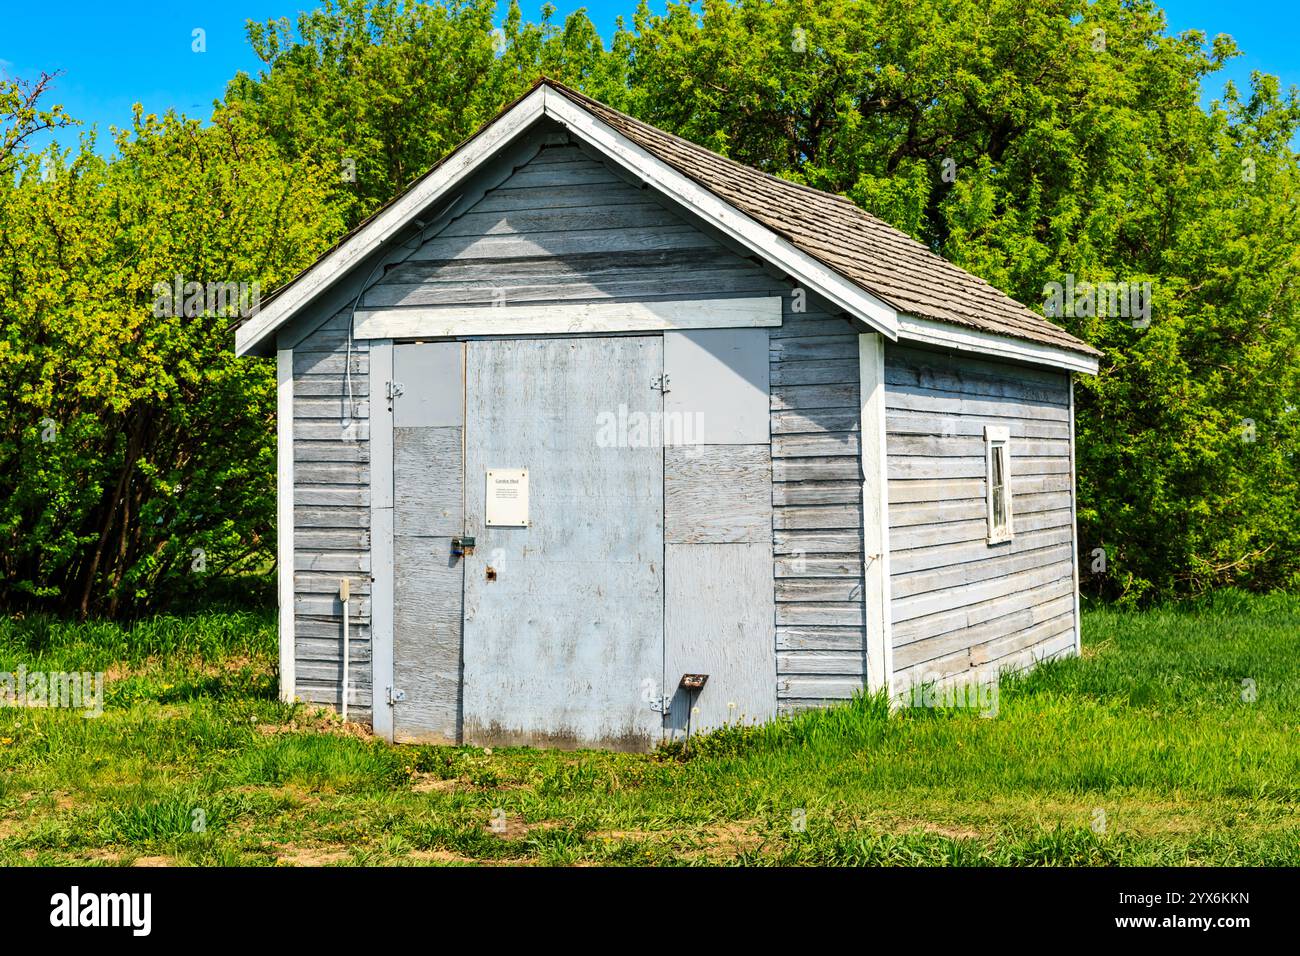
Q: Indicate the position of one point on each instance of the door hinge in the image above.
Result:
(395, 696)
(394, 389)
(661, 382)
(661, 705)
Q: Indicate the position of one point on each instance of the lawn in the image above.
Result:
(1172, 741)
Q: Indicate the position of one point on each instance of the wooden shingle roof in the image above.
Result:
(881, 259)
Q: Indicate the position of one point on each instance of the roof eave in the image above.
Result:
(946, 335)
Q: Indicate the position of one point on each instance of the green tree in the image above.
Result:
(136, 453)
(380, 90)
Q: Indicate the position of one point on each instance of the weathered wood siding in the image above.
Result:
(957, 603)
(563, 227)
(817, 507)
(331, 452)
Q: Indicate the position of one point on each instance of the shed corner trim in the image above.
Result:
(875, 515)
(284, 518)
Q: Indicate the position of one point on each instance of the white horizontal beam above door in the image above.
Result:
(569, 318)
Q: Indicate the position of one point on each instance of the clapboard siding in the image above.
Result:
(817, 508)
(958, 603)
(563, 227)
(331, 493)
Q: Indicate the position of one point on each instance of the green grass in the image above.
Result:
(1174, 740)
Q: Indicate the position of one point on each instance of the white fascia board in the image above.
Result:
(391, 221)
(724, 217)
(569, 318)
(930, 332)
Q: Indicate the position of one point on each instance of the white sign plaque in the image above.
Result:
(507, 498)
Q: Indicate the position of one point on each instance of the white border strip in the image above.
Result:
(569, 318)
(381, 539)
(875, 515)
(284, 517)
(930, 332)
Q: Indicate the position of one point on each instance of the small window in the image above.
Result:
(997, 451)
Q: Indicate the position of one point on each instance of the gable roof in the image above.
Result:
(875, 272)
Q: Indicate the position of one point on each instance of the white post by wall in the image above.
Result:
(1074, 527)
(284, 515)
(875, 513)
(381, 538)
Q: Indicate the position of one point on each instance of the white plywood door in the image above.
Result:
(720, 616)
(563, 616)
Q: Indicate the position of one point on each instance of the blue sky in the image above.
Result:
(114, 55)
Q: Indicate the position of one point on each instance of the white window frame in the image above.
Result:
(997, 441)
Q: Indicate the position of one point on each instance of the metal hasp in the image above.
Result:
(462, 546)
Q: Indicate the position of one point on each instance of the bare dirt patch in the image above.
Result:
(310, 856)
(952, 833)
(516, 829)
(440, 856)
(428, 783)
(725, 840)
(717, 841)
(317, 720)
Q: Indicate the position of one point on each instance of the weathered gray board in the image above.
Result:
(428, 510)
(717, 385)
(817, 507)
(563, 624)
(958, 603)
(331, 451)
(719, 616)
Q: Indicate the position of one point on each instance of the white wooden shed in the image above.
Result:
(590, 409)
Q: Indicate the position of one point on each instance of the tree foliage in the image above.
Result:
(1027, 140)
(136, 453)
